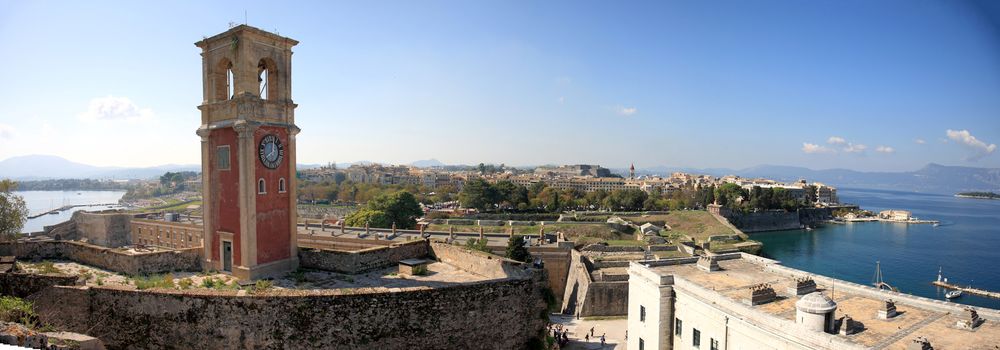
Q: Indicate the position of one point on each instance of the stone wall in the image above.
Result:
(109, 229)
(107, 258)
(585, 296)
(556, 267)
(762, 221)
(24, 284)
(498, 314)
(476, 262)
(361, 261)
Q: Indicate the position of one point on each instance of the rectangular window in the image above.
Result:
(222, 156)
(642, 344)
(696, 338)
(715, 344)
(678, 326)
(642, 313)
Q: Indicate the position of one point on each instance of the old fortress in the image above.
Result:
(250, 273)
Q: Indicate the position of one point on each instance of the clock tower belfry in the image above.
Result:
(248, 153)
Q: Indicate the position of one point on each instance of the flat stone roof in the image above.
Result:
(935, 320)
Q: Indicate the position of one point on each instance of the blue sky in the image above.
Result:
(867, 85)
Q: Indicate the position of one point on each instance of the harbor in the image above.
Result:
(943, 283)
(67, 207)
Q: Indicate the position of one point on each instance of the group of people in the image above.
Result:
(560, 334)
(587, 336)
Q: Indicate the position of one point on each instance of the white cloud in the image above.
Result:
(115, 108)
(836, 140)
(964, 137)
(627, 111)
(885, 149)
(920, 141)
(852, 148)
(811, 148)
(6, 131)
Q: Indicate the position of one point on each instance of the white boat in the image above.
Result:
(953, 294)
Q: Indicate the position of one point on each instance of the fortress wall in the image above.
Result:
(24, 284)
(499, 314)
(475, 262)
(107, 258)
(363, 260)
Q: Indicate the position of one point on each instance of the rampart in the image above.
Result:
(165, 234)
(24, 284)
(586, 297)
(461, 316)
(361, 261)
(113, 259)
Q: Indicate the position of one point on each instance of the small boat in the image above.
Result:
(953, 294)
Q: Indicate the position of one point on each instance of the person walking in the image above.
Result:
(602, 340)
(591, 331)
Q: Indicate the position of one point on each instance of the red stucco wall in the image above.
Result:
(225, 193)
(273, 225)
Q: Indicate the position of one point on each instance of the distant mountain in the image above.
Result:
(427, 163)
(41, 167)
(932, 178)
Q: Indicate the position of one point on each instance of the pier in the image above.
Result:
(970, 290)
(67, 207)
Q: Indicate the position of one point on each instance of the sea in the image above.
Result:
(965, 246)
(42, 201)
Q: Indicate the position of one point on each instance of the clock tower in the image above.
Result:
(248, 153)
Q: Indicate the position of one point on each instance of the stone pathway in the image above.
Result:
(614, 331)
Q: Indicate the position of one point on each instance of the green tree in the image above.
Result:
(516, 250)
(374, 218)
(13, 210)
(401, 207)
(478, 194)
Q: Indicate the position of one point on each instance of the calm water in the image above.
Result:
(966, 245)
(42, 201)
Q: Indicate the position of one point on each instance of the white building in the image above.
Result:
(741, 301)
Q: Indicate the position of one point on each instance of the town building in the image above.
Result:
(573, 170)
(741, 301)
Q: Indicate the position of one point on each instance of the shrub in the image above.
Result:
(185, 283)
(155, 281)
(18, 310)
(478, 244)
(261, 286)
(516, 250)
(47, 267)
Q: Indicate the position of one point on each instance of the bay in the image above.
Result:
(966, 245)
(42, 201)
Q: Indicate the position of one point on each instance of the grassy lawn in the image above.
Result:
(697, 224)
(625, 242)
(670, 254)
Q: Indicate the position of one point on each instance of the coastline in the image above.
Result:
(976, 197)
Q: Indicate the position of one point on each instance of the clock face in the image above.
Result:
(271, 151)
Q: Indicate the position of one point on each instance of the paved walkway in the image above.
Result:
(614, 331)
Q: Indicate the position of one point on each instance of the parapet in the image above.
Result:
(708, 263)
(761, 294)
(803, 286)
(888, 310)
(970, 319)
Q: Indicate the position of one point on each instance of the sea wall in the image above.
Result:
(107, 258)
(496, 314)
(361, 261)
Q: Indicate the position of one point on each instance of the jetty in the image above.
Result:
(67, 207)
(943, 283)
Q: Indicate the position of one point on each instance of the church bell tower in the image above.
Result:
(248, 153)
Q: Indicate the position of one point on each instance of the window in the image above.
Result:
(222, 157)
(642, 313)
(696, 338)
(678, 326)
(261, 189)
(281, 185)
(642, 344)
(714, 344)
